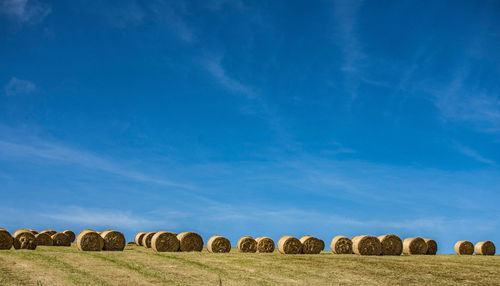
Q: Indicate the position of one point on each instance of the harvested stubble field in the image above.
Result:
(49, 265)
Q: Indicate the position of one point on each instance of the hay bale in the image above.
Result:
(414, 246)
(43, 239)
(341, 245)
(218, 244)
(33, 231)
(289, 245)
(164, 241)
(311, 244)
(24, 239)
(6, 239)
(432, 246)
(391, 244)
(485, 248)
(131, 243)
(61, 239)
(113, 240)
(138, 238)
(70, 234)
(146, 239)
(366, 245)
(89, 240)
(190, 241)
(464, 247)
(265, 244)
(50, 232)
(247, 244)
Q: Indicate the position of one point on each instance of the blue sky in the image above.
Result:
(252, 118)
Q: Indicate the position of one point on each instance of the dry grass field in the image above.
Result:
(139, 266)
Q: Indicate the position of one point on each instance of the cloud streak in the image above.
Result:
(61, 153)
(214, 67)
(17, 86)
(25, 11)
(473, 154)
(458, 103)
(345, 14)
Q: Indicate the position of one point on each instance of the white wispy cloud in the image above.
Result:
(215, 68)
(345, 12)
(17, 86)
(42, 149)
(166, 14)
(101, 218)
(459, 102)
(473, 154)
(25, 11)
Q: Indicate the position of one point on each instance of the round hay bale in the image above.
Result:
(164, 241)
(341, 245)
(218, 244)
(464, 247)
(265, 244)
(289, 245)
(146, 239)
(485, 248)
(61, 239)
(70, 234)
(131, 243)
(113, 240)
(5, 239)
(414, 245)
(247, 244)
(89, 240)
(432, 246)
(138, 238)
(43, 239)
(190, 241)
(391, 244)
(33, 231)
(24, 239)
(311, 244)
(50, 232)
(366, 245)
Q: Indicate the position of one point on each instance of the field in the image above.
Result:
(139, 266)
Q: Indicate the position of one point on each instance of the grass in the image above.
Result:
(139, 266)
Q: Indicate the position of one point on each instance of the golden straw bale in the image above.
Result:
(391, 244)
(6, 240)
(70, 234)
(44, 239)
(24, 239)
(414, 245)
(113, 240)
(164, 241)
(311, 244)
(60, 239)
(464, 247)
(341, 245)
(146, 239)
(265, 244)
(432, 246)
(247, 244)
(289, 245)
(366, 245)
(138, 238)
(89, 240)
(218, 244)
(190, 241)
(485, 248)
